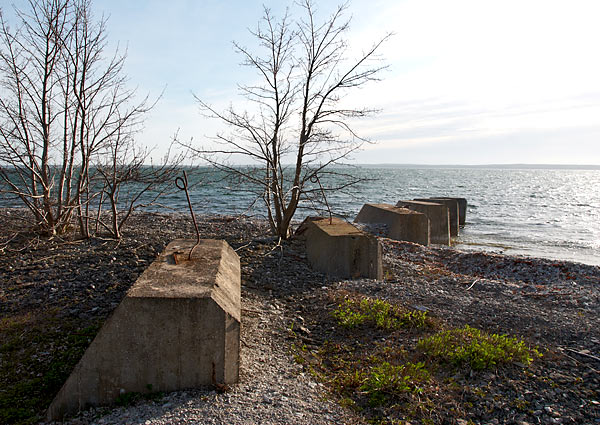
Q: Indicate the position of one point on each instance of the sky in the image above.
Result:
(469, 81)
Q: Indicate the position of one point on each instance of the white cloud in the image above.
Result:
(474, 70)
(461, 71)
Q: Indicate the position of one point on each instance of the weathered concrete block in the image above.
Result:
(462, 209)
(177, 327)
(453, 210)
(439, 219)
(402, 224)
(340, 249)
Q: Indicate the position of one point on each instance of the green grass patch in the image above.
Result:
(381, 314)
(475, 348)
(383, 377)
(376, 380)
(363, 362)
(385, 381)
(392, 364)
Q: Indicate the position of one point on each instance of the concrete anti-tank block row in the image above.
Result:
(401, 223)
(439, 222)
(439, 219)
(338, 248)
(452, 206)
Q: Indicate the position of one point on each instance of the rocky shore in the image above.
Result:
(55, 293)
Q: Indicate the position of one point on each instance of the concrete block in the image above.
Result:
(462, 209)
(439, 219)
(340, 249)
(453, 210)
(402, 224)
(177, 327)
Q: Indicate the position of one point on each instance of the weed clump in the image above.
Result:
(386, 381)
(475, 348)
(353, 313)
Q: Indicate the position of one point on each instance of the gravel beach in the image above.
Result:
(554, 305)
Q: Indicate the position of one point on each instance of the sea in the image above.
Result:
(536, 212)
(547, 212)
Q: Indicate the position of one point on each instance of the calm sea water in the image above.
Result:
(551, 213)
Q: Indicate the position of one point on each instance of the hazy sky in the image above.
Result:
(470, 81)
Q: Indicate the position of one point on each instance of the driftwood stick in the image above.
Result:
(473, 284)
(576, 360)
(583, 354)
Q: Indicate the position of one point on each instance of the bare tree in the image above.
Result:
(297, 114)
(65, 109)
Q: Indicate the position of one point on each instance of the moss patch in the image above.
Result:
(381, 314)
(30, 377)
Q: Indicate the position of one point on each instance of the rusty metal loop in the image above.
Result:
(182, 184)
(315, 179)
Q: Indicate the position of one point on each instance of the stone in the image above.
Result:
(339, 249)
(177, 327)
(402, 224)
(439, 219)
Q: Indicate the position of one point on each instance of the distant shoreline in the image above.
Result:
(491, 166)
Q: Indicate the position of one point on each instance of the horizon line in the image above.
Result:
(490, 165)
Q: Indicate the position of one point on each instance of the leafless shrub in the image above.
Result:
(66, 112)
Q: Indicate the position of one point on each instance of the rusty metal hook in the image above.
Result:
(182, 184)
(315, 179)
